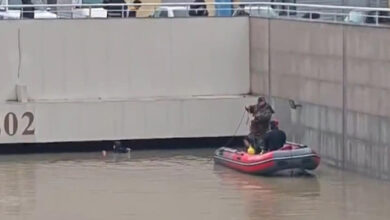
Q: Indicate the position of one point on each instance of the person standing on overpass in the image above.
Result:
(133, 10)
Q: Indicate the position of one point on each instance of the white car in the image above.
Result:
(6, 13)
(44, 14)
(16, 13)
(89, 13)
(171, 12)
(368, 17)
(84, 11)
(261, 11)
(356, 17)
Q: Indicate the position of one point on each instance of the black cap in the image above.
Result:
(260, 99)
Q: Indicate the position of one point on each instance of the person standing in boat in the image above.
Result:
(262, 113)
(275, 138)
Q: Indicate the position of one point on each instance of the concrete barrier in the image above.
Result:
(112, 79)
(367, 106)
(9, 59)
(340, 74)
(259, 56)
(126, 58)
(148, 118)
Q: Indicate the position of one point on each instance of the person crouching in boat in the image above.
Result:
(262, 113)
(275, 138)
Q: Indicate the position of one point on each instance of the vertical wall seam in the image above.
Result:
(344, 98)
(250, 54)
(269, 60)
(19, 55)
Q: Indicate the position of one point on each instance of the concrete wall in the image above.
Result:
(367, 99)
(306, 65)
(148, 118)
(125, 58)
(123, 79)
(259, 56)
(340, 75)
(9, 59)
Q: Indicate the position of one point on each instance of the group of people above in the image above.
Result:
(261, 139)
(121, 11)
(127, 11)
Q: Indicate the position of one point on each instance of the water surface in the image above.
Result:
(177, 184)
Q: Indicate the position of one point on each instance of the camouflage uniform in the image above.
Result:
(260, 124)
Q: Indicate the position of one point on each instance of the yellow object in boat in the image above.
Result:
(251, 150)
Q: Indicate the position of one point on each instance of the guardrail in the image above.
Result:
(327, 13)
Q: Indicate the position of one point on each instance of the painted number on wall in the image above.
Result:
(12, 124)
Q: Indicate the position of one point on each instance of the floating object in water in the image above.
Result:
(119, 148)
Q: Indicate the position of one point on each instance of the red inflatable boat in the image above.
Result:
(291, 156)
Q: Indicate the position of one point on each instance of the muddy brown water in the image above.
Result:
(177, 184)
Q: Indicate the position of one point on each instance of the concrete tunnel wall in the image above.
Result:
(340, 74)
(99, 79)
(124, 58)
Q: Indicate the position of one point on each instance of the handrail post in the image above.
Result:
(268, 11)
(377, 17)
(90, 12)
(288, 11)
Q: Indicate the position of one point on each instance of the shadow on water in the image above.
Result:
(138, 144)
(133, 156)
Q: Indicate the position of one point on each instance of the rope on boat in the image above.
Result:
(235, 132)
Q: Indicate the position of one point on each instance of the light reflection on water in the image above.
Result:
(177, 184)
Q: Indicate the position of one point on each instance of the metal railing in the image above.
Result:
(324, 13)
